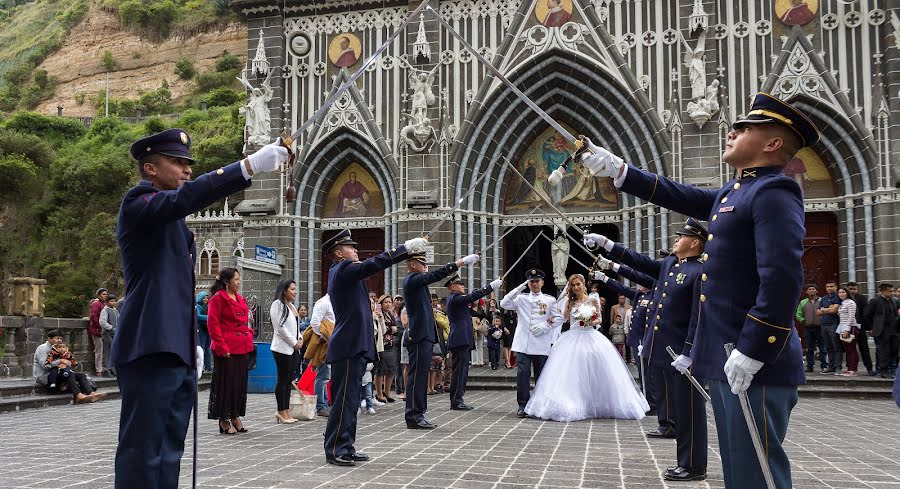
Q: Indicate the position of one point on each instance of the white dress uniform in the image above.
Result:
(533, 311)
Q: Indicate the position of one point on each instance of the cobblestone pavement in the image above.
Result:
(833, 443)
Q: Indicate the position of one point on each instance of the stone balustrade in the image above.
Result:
(22, 336)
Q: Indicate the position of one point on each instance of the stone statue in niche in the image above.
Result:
(419, 134)
(704, 99)
(259, 123)
(560, 258)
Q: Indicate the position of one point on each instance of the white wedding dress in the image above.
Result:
(585, 377)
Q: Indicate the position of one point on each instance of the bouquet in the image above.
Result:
(584, 314)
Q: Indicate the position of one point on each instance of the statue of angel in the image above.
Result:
(421, 83)
(259, 124)
(695, 62)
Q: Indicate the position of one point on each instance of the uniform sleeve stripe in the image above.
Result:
(767, 324)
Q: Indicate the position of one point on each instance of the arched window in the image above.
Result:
(213, 262)
(203, 264)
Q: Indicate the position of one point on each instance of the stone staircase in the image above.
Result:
(818, 385)
(18, 394)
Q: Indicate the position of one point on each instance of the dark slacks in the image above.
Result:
(690, 417)
(494, 357)
(835, 349)
(865, 355)
(417, 381)
(75, 381)
(814, 339)
(662, 391)
(887, 343)
(771, 407)
(645, 380)
(525, 364)
(285, 365)
(340, 431)
(158, 393)
(460, 358)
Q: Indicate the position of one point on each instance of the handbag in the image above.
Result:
(303, 406)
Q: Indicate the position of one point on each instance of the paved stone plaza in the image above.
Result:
(833, 443)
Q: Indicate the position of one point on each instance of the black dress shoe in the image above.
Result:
(421, 425)
(661, 434)
(359, 457)
(685, 474)
(341, 461)
(461, 407)
(521, 413)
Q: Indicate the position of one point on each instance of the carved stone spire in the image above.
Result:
(260, 65)
(422, 47)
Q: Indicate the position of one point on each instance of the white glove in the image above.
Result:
(592, 241)
(682, 363)
(471, 259)
(536, 330)
(600, 162)
(740, 369)
(416, 245)
(600, 276)
(640, 350)
(496, 284)
(199, 365)
(268, 158)
(523, 287)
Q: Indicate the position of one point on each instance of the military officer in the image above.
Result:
(352, 343)
(153, 351)
(462, 337)
(748, 287)
(669, 325)
(539, 323)
(422, 334)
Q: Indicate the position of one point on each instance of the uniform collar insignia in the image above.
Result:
(758, 171)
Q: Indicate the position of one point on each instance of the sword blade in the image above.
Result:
(511, 229)
(576, 260)
(494, 71)
(362, 69)
(510, 269)
(455, 207)
(690, 377)
(539, 194)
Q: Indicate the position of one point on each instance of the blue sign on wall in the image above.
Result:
(267, 255)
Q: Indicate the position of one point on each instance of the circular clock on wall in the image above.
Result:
(299, 44)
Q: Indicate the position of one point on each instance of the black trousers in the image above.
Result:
(690, 418)
(460, 358)
(888, 343)
(75, 381)
(662, 392)
(417, 381)
(525, 364)
(286, 366)
(158, 393)
(494, 357)
(340, 430)
(865, 355)
(645, 380)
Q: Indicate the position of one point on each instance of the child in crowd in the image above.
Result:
(367, 400)
(60, 352)
(617, 334)
(495, 333)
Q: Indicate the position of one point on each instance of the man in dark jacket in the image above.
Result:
(462, 336)
(154, 349)
(882, 313)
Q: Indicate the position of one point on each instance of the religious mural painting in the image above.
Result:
(553, 13)
(578, 189)
(810, 172)
(354, 193)
(344, 50)
(796, 12)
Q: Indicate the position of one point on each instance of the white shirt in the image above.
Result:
(533, 311)
(321, 310)
(287, 331)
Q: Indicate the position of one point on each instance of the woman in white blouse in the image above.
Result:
(286, 343)
(848, 331)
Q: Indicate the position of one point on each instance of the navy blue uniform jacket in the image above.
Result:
(354, 326)
(417, 299)
(462, 331)
(752, 274)
(639, 301)
(158, 253)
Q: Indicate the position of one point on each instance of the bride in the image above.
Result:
(584, 377)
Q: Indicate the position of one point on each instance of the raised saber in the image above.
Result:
(576, 260)
(579, 243)
(535, 190)
(754, 434)
(455, 207)
(643, 374)
(579, 141)
(690, 377)
(511, 229)
(522, 256)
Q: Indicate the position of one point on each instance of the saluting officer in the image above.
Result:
(155, 348)
(539, 322)
(352, 343)
(751, 279)
(422, 333)
(672, 323)
(462, 338)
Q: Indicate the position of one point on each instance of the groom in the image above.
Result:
(538, 326)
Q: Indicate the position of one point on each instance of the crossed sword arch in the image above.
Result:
(580, 148)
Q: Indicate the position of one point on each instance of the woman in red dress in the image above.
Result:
(232, 342)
